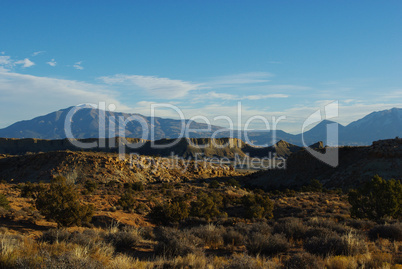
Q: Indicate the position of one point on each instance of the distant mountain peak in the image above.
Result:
(375, 126)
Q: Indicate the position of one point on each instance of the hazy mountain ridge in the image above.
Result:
(375, 126)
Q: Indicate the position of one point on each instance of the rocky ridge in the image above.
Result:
(105, 167)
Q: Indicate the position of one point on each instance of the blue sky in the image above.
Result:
(279, 58)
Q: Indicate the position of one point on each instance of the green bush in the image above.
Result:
(377, 199)
(4, 202)
(258, 206)
(60, 202)
(31, 190)
(314, 186)
(127, 201)
(136, 186)
(173, 211)
(233, 182)
(90, 186)
(207, 206)
(214, 184)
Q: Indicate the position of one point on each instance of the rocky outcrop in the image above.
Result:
(390, 148)
(104, 167)
(185, 147)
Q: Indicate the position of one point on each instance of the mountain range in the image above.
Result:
(86, 121)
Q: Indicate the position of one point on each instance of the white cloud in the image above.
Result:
(5, 60)
(36, 53)
(52, 63)
(78, 65)
(33, 96)
(25, 63)
(160, 87)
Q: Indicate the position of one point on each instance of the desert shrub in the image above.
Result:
(88, 238)
(55, 235)
(213, 184)
(4, 203)
(125, 239)
(377, 199)
(233, 237)
(127, 201)
(31, 190)
(9, 245)
(360, 224)
(304, 261)
(207, 206)
(74, 258)
(173, 243)
(210, 234)
(329, 224)
(135, 186)
(188, 261)
(340, 262)
(233, 182)
(314, 186)
(173, 211)
(61, 202)
(263, 244)
(335, 245)
(258, 206)
(318, 232)
(138, 186)
(291, 227)
(259, 227)
(249, 229)
(90, 186)
(244, 262)
(388, 231)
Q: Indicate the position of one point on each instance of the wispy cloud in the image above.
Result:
(156, 86)
(36, 53)
(244, 78)
(52, 63)
(78, 65)
(233, 97)
(25, 63)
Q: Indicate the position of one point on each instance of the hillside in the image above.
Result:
(356, 165)
(105, 167)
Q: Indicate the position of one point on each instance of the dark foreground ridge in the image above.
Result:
(356, 165)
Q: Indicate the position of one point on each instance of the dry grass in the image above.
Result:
(130, 240)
